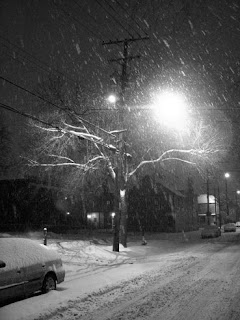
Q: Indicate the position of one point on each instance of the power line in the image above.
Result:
(67, 109)
(119, 23)
(146, 35)
(92, 18)
(32, 93)
(109, 5)
(35, 58)
(22, 62)
(7, 107)
(29, 116)
(122, 7)
(76, 20)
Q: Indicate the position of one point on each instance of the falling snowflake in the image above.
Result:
(191, 25)
(78, 48)
(166, 43)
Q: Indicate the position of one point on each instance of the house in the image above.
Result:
(208, 203)
(157, 205)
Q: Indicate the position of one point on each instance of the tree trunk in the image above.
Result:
(84, 205)
(117, 213)
(123, 220)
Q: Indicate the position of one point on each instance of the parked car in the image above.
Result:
(238, 224)
(211, 231)
(229, 227)
(26, 267)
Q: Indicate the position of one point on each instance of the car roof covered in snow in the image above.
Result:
(20, 252)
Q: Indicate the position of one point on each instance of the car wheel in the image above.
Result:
(49, 283)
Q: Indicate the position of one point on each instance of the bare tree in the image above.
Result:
(74, 147)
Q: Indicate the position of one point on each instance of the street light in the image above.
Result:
(227, 175)
(113, 215)
(171, 109)
(237, 205)
(112, 98)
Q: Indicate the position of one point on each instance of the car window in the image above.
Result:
(2, 264)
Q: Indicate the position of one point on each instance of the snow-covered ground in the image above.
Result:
(92, 267)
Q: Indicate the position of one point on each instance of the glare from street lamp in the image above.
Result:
(171, 109)
(112, 98)
(226, 175)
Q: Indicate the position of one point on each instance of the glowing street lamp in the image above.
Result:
(227, 175)
(112, 98)
(171, 109)
(237, 205)
(113, 215)
(236, 194)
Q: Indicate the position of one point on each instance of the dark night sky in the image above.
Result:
(194, 47)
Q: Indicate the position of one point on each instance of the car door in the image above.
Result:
(35, 268)
(34, 274)
(11, 281)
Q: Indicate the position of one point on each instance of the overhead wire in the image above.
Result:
(78, 21)
(113, 9)
(22, 62)
(51, 69)
(122, 7)
(29, 116)
(32, 93)
(70, 16)
(107, 11)
(89, 15)
(149, 52)
(119, 23)
(79, 116)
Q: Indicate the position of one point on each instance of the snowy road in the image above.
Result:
(168, 280)
(201, 284)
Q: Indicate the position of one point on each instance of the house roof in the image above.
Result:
(171, 188)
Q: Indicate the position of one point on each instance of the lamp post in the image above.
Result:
(89, 217)
(227, 175)
(237, 207)
(113, 215)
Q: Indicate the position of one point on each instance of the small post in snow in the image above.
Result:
(45, 236)
(184, 236)
(144, 241)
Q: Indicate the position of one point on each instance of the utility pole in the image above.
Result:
(124, 64)
(121, 211)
